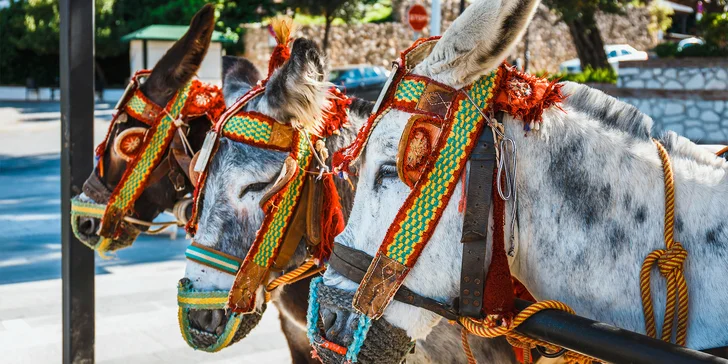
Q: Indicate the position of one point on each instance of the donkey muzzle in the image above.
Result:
(339, 334)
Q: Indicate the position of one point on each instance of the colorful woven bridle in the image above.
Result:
(439, 139)
(275, 234)
(143, 149)
(284, 210)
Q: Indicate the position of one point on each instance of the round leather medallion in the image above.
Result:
(129, 142)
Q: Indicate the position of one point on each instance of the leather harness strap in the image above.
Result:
(353, 264)
(475, 225)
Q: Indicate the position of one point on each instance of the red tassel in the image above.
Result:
(332, 219)
(498, 298)
(280, 55)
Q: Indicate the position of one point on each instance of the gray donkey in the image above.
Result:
(239, 176)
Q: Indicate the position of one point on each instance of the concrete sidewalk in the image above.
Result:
(136, 322)
(32, 128)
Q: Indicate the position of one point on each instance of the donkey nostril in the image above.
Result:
(328, 318)
(87, 226)
(208, 320)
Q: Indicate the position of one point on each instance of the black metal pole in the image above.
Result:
(462, 6)
(77, 117)
(605, 342)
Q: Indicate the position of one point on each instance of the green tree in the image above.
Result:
(330, 10)
(580, 17)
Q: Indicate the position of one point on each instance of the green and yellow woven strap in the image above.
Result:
(418, 217)
(137, 174)
(214, 259)
(249, 127)
(190, 299)
(280, 209)
(141, 108)
(258, 130)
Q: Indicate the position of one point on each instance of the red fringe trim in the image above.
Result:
(336, 115)
(525, 96)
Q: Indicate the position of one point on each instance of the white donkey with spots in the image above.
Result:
(591, 200)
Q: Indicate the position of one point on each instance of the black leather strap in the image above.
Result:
(475, 225)
(353, 264)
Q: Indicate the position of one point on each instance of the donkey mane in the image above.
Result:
(680, 147)
(609, 111)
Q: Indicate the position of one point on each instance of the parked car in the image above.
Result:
(615, 54)
(689, 42)
(363, 81)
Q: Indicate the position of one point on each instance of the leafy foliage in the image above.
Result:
(670, 50)
(660, 16)
(331, 10)
(589, 75)
(580, 16)
(29, 32)
(715, 29)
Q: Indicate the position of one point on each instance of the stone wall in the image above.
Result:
(549, 39)
(688, 96)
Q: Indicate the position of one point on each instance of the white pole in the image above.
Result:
(435, 18)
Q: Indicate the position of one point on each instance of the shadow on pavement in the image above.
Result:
(31, 219)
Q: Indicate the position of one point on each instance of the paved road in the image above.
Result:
(136, 311)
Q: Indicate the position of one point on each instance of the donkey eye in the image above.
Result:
(253, 187)
(386, 170)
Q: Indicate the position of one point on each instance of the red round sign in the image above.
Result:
(417, 16)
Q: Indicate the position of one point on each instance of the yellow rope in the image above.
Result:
(293, 276)
(466, 346)
(481, 329)
(670, 263)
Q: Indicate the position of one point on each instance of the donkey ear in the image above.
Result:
(297, 90)
(478, 41)
(182, 61)
(239, 76)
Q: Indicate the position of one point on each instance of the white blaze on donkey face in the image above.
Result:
(591, 199)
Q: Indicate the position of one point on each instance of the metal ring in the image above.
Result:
(541, 350)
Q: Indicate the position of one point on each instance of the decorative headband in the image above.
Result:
(433, 152)
(193, 99)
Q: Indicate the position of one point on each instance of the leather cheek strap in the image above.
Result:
(475, 225)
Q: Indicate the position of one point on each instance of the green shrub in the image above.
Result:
(666, 50)
(703, 50)
(589, 75)
(669, 50)
(714, 27)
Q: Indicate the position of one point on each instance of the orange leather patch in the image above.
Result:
(416, 146)
(436, 99)
(242, 295)
(281, 136)
(379, 285)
